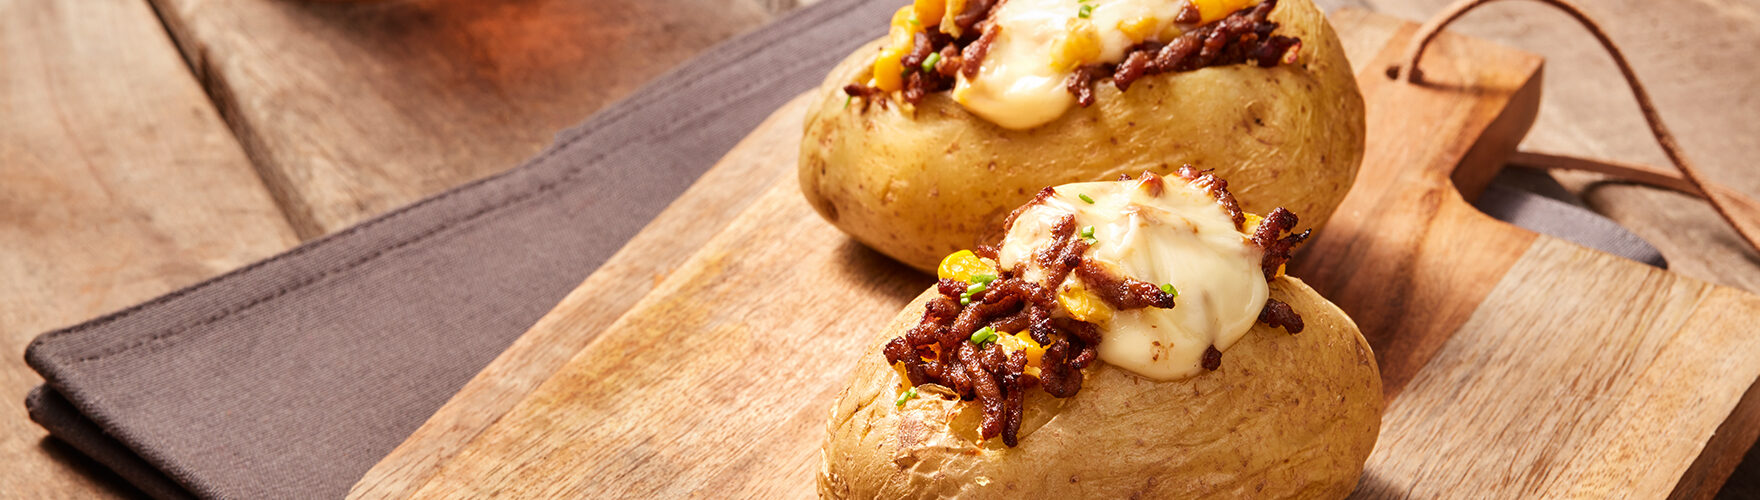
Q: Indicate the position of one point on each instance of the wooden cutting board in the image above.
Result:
(1516, 364)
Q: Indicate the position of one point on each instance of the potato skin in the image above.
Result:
(1286, 416)
(918, 185)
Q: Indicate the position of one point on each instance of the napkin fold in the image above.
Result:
(291, 377)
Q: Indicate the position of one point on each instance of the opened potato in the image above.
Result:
(1127, 339)
(923, 142)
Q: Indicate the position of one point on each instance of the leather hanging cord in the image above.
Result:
(1725, 201)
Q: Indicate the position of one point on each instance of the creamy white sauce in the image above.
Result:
(1021, 84)
(1180, 237)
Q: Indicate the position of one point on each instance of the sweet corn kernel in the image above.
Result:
(1083, 306)
(889, 69)
(1251, 223)
(1080, 45)
(903, 377)
(929, 11)
(1138, 29)
(1211, 10)
(1023, 342)
(964, 264)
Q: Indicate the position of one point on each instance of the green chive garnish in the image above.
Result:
(1168, 288)
(983, 335)
(1087, 232)
(1087, 10)
(965, 300)
(847, 99)
(929, 64)
(983, 278)
(1085, 198)
(907, 396)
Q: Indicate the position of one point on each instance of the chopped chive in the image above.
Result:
(847, 99)
(1087, 10)
(965, 300)
(1168, 288)
(907, 396)
(929, 63)
(983, 278)
(1085, 198)
(983, 335)
(976, 288)
(1087, 232)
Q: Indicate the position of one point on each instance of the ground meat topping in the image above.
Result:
(1241, 37)
(954, 345)
(1216, 188)
(1277, 314)
(1277, 248)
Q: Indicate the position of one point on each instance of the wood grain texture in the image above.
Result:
(1573, 395)
(711, 384)
(757, 163)
(1393, 256)
(352, 108)
(1682, 50)
(118, 182)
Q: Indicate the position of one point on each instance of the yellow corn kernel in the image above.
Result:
(1251, 223)
(1138, 29)
(1211, 10)
(929, 11)
(1023, 342)
(1080, 45)
(964, 264)
(903, 377)
(889, 69)
(1083, 306)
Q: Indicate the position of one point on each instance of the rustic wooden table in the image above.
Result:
(149, 144)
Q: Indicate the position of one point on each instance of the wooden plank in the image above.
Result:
(353, 108)
(702, 211)
(1588, 112)
(609, 424)
(118, 182)
(1575, 398)
(1403, 226)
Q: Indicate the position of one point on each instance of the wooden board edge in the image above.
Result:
(700, 213)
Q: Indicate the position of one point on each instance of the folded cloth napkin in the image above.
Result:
(293, 376)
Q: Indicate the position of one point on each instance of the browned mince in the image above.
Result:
(1242, 37)
(1122, 292)
(1268, 236)
(938, 350)
(1217, 188)
(1278, 314)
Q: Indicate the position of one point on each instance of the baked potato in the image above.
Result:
(911, 170)
(1288, 406)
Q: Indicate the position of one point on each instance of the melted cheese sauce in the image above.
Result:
(1180, 237)
(1039, 43)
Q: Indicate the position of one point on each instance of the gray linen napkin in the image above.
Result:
(291, 377)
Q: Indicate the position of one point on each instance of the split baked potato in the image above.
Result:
(917, 180)
(1134, 338)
